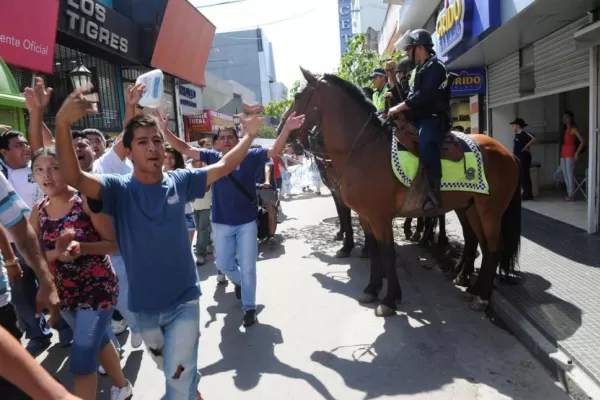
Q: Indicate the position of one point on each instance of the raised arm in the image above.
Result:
(178, 144)
(293, 122)
(75, 107)
(235, 156)
(36, 100)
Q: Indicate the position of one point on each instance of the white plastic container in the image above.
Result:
(153, 94)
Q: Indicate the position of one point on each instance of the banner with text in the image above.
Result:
(28, 34)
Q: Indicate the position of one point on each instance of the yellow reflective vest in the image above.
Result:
(379, 98)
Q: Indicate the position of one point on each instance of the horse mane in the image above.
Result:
(355, 93)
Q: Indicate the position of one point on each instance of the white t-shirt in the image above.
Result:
(12, 211)
(110, 163)
(21, 181)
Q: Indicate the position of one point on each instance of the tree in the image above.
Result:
(276, 109)
(358, 63)
(267, 132)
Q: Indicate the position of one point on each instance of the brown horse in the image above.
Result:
(342, 127)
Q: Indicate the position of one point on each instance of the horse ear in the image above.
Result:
(310, 78)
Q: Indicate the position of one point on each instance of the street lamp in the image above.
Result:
(236, 122)
(80, 77)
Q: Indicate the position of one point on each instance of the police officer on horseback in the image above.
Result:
(429, 104)
(380, 84)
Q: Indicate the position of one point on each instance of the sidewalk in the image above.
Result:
(559, 295)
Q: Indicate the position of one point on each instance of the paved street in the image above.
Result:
(315, 341)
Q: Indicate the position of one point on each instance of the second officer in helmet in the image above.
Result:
(429, 106)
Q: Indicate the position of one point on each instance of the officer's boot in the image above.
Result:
(433, 203)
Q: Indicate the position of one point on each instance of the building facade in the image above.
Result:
(115, 41)
(245, 57)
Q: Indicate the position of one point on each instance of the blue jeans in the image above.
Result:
(228, 239)
(430, 142)
(123, 303)
(172, 340)
(92, 332)
(23, 298)
(202, 219)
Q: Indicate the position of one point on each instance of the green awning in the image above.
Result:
(12, 100)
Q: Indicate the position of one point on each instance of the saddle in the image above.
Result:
(406, 134)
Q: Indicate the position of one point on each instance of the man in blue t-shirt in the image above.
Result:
(148, 211)
(234, 209)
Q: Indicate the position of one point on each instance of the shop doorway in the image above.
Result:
(544, 118)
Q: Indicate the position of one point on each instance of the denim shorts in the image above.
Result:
(90, 335)
(189, 219)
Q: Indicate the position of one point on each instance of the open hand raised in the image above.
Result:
(77, 105)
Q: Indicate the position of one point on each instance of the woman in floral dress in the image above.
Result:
(77, 243)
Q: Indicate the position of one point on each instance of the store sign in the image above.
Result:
(100, 26)
(345, 23)
(469, 82)
(450, 25)
(28, 34)
(190, 99)
(208, 121)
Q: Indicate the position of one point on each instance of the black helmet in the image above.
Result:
(405, 65)
(418, 37)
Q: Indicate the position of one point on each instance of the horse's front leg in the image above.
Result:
(339, 236)
(384, 235)
(371, 292)
(442, 237)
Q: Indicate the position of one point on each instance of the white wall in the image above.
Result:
(367, 14)
(390, 23)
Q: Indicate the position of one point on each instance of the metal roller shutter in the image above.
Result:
(503, 81)
(558, 64)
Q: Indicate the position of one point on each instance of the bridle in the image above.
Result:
(315, 136)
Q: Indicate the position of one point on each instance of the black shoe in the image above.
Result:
(250, 318)
(238, 292)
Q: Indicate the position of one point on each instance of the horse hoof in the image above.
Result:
(364, 253)
(479, 305)
(461, 280)
(423, 244)
(342, 254)
(367, 298)
(339, 236)
(384, 311)
(466, 296)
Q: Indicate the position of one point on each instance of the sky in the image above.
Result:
(306, 35)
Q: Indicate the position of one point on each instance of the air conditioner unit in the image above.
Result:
(394, 2)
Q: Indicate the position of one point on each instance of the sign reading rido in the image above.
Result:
(450, 26)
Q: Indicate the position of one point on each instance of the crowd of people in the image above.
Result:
(100, 235)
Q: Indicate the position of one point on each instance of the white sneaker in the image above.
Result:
(118, 327)
(101, 370)
(123, 393)
(136, 340)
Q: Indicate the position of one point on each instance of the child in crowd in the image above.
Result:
(77, 242)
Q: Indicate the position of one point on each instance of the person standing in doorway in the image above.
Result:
(571, 146)
(522, 150)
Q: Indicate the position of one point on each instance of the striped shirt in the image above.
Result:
(12, 210)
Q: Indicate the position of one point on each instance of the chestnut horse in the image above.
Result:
(341, 125)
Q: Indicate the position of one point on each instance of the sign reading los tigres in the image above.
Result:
(450, 26)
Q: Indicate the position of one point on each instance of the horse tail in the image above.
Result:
(510, 233)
